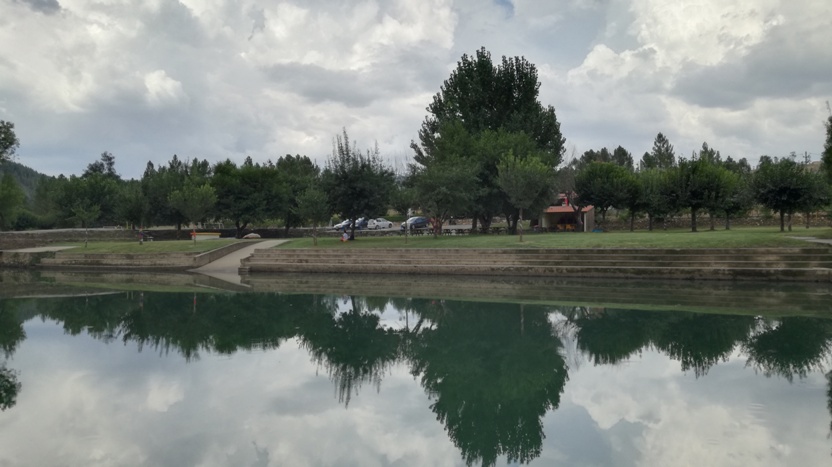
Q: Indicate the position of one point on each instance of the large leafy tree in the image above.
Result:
(246, 194)
(296, 175)
(194, 200)
(619, 156)
(659, 194)
(701, 187)
(11, 200)
(826, 158)
(8, 141)
(661, 157)
(443, 190)
(105, 166)
(816, 196)
(603, 185)
(357, 184)
(481, 103)
(87, 192)
(313, 206)
(157, 185)
(131, 206)
(527, 182)
(781, 185)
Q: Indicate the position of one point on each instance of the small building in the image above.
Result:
(562, 217)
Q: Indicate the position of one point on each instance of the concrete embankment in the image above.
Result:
(767, 264)
(80, 260)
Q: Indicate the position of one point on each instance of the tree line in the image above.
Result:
(488, 147)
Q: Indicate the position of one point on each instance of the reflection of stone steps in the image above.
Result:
(746, 297)
(784, 264)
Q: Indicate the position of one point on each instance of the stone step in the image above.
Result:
(657, 262)
(559, 251)
(785, 274)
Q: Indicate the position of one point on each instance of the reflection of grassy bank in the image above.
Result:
(737, 238)
(807, 299)
(748, 298)
(133, 247)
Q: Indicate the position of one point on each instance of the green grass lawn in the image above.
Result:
(735, 238)
(133, 247)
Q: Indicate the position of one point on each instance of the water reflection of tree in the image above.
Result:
(609, 336)
(353, 347)
(11, 335)
(700, 341)
(697, 341)
(11, 328)
(790, 347)
(493, 372)
(9, 387)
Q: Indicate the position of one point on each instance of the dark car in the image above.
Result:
(416, 223)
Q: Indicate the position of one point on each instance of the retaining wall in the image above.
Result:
(768, 264)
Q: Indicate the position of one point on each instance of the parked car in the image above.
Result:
(360, 223)
(416, 223)
(341, 225)
(379, 223)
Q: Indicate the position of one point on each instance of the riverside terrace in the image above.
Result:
(777, 264)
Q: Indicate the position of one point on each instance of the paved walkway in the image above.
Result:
(825, 241)
(226, 267)
(39, 249)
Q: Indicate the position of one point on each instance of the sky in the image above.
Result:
(227, 79)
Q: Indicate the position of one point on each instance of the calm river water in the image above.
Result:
(268, 379)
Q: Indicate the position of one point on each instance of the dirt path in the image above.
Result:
(226, 267)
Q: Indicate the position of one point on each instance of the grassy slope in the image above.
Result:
(736, 238)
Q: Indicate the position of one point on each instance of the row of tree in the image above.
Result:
(487, 148)
(664, 187)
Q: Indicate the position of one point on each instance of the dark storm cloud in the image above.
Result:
(781, 68)
(44, 6)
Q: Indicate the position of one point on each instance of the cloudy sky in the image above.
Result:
(217, 79)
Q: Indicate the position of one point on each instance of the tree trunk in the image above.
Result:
(286, 230)
(352, 229)
(485, 221)
(315, 234)
(240, 228)
(474, 223)
(782, 220)
(727, 221)
(632, 220)
(649, 222)
(807, 215)
(711, 218)
(693, 220)
(512, 223)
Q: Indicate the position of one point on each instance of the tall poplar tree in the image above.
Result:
(482, 103)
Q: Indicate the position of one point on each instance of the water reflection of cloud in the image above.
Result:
(217, 411)
(90, 403)
(729, 417)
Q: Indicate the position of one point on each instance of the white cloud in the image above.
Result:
(217, 79)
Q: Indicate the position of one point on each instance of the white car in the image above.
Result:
(379, 223)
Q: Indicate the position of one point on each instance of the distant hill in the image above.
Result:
(27, 178)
